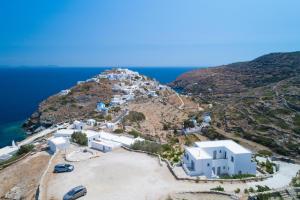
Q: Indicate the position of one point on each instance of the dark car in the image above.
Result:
(63, 168)
(75, 193)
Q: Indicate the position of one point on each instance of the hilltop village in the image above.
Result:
(122, 135)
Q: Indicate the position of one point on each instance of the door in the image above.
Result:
(219, 171)
(214, 170)
(215, 155)
(192, 165)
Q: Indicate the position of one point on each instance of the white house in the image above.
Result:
(67, 133)
(91, 122)
(104, 146)
(64, 92)
(58, 143)
(215, 158)
(116, 100)
(8, 151)
(91, 136)
(78, 125)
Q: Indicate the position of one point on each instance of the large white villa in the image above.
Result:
(215, 158)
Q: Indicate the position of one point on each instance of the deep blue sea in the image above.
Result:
(23, 88)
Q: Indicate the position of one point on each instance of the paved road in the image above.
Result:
(35, 136)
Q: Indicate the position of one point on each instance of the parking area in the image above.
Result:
(125, 175)
(121, 175)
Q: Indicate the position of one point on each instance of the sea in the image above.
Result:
(23, 88)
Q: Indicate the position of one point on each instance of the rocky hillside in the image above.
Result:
(258, 100)
(79, 103)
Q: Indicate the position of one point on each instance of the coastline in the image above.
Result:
(12, 131)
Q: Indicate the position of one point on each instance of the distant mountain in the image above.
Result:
(258, 100)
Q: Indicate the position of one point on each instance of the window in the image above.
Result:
(223, 167)
(207, 164)
(220, 151)
(232, 159)
(187, 156)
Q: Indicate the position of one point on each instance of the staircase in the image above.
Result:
(288, 194)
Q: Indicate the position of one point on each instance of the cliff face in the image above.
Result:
(258, 100)
(79, 103)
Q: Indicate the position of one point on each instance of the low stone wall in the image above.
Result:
(14, 161)
(195, 179)
(39, 191)
(232, 196)
(69, 159)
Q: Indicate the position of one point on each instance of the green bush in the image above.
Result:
(79, 138)
(25, 149)
(134, 116)
(269, 167)
(265, 153)
(251, 190)
(237, 190)
(218, 188)
(118, 131)
(262, 188)
(134, 133)
(237, 176)
(148, 146)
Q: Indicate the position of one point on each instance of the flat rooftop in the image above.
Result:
(229, 144)
(198, 153)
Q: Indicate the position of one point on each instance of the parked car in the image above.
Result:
(63, 168)
(75, 193)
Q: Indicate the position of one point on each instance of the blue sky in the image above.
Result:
(145, 32)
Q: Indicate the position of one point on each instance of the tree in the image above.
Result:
(25, 149)
(79, 138)
(188, 124)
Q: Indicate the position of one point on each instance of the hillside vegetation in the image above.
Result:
(257, 100)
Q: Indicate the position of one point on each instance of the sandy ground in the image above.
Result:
(158, 113)
(123, 175)
(22, 178)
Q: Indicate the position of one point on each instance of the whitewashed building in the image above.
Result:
(67, 133)
(104, 146)
(91, 122)
(215, 158)
(58, 143)
(8, 151)
(91, 136)
(78, 125)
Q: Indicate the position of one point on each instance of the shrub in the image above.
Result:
(79, 138)
(269, 167)
(134, 133)
(237, 176)
(118, 131)
(251, 190)
(134, 116)
(108, 118)
(218, 188)
(237, 190)
(246, 191)
(25, 149)
(188, 124)
(148, 146)
(262, 188)
(265, 153)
